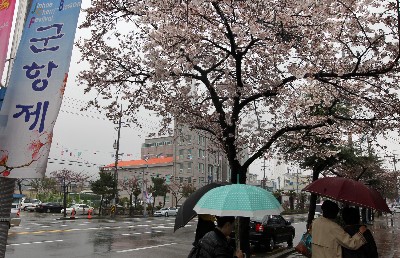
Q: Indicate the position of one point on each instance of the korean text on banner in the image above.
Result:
(37, 85)
(6, 18)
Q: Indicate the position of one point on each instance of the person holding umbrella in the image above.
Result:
(328, 237)
(215, 244)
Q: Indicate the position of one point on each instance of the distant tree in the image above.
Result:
(175, 188)
(67, 177)
(132, 187)
(188, 189)
(19, 184)
(302, 197)
(104, 186)
(292, 197)
(278, 195)
(44, 186)
(159, 188)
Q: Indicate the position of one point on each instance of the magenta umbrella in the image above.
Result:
(348, 191)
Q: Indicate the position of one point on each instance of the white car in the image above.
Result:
(395, 209)
(166, 212)
(27, 202)
(80, 209)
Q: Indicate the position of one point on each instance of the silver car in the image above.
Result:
(166, 212)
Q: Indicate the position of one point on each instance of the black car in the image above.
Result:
(271, 230)
(49, 207)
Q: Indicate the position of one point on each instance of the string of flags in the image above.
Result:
(73, 162)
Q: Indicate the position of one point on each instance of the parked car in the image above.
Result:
(15, 219)
(395, 209)
(28, 202)
(49, 207)
(166, 212)
(318, 210)
(31, 208)
(271, 230)
(80, 208)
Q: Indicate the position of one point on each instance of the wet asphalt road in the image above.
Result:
(43, 235)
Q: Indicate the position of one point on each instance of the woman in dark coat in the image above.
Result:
(205, 224)
(351, 217)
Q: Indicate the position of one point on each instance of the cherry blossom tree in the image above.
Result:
(66, 177)
(252, 75)
(132, 187)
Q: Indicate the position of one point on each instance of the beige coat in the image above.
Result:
(328, 237)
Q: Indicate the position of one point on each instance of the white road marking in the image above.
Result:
(36, 242)
(145, 247)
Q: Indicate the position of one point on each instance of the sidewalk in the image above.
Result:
(386, 231)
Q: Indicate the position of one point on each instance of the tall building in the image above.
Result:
(186, 158)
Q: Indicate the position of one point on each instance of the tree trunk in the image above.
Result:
(238, 172)
(19, 183)
(6, 197)
(313, 198)
(101, 205)
(291, 202)
(130, 205)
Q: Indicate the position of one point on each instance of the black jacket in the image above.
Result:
(368, 250)
(215, 245)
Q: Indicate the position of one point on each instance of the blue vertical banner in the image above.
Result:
(36, 87)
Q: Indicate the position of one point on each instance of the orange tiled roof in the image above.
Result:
(142, 162)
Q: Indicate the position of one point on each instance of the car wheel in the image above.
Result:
(24, 208)
(48, 210)
(290, 241)
(166, 214)
(271, 244)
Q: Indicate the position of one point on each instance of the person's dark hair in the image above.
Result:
(351, 216)
(222, 220)
(329, 209)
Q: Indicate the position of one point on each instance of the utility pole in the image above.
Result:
(264, 180)
(144, 190)
(116, 146)
(279, 183)
(65, 190)
(394, 159)
(297, 181)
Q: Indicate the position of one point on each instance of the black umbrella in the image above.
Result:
(186, 212)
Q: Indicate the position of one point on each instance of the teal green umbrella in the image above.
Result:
(238, 200)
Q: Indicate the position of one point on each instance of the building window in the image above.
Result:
(189, 167)
(201, 168)
(189, 154)
(201, 140)
(189, 180)
(181, 153)
(181, 180)
(189, 138)
(202, 154)
(180, 168)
